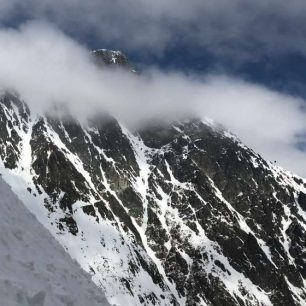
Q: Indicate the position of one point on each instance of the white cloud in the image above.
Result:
(45, 67)
(238, 27)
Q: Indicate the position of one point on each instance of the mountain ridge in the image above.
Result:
(178, 213)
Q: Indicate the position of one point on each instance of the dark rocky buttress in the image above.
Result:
(173, 214)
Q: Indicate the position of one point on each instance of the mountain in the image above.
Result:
(35, 270)
(110, 58)
(179, 213)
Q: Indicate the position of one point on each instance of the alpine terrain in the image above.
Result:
(35, 270)
(178, 213)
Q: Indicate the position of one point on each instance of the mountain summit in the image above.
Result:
(178, 213)
(104, 58)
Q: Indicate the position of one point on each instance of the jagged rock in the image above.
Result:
(177, 213)
(104, 58)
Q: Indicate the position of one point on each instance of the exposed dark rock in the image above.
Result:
(104, 58)
(201, 216)
(302, 200)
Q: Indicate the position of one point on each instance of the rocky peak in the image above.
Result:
(104, 57)
(179, 213)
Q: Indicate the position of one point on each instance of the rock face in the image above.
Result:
(109, 58)
(173, 214)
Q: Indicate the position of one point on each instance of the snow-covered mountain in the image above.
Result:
(35, 270)
(173, 214)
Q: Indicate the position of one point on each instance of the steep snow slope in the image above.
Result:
(177, 213)
(35, 270)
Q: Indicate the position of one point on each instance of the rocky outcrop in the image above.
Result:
(177, 213)
(174, 214)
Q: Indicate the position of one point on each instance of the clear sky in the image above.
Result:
(255, 44)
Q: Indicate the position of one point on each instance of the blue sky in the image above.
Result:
(285, 73)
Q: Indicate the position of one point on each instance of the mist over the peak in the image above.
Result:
(46, 67)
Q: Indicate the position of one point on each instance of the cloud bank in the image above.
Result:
(239, 28)
(45, 67)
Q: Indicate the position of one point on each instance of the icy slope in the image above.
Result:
(178, 213)
(35, 270)
(175, 214)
